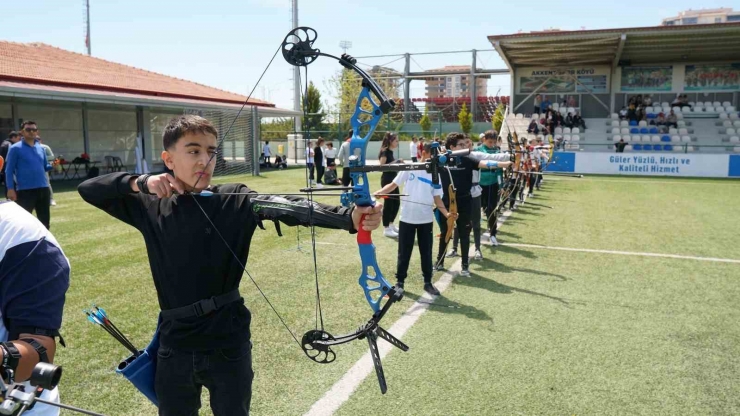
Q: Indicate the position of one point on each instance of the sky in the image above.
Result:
(227, 43)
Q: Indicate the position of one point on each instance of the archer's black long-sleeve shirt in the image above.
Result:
(188, 260)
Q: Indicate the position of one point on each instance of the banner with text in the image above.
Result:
(579, 80)
(647, 78)
(647, 164)
(720, 77)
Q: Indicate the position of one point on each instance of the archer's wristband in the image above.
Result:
(492, 164)
(141, 183)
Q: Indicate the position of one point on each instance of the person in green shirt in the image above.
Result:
(490, 181)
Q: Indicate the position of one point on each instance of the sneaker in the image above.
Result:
(319, 185)
(494, 242)
(429, 288)
(53, 203)
(465, 272)
(399, 285)
(390, 233)
(530, 195)
(452, 253)
(478, 255)
(440, 268)
(394, 228)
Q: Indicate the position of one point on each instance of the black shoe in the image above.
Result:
(429, 288)
(439, 268)
(399, 285)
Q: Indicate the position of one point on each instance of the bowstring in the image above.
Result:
(318, 313)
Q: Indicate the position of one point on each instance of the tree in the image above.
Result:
(425, 123)
(312, 106)
(498, 118)
(465, 119)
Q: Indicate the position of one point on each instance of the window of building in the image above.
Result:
(6, 120)
(670, 22)
(733, 18)
(717, 20)
(158, 119)
(112, 132)
(60, 127)
(690, 20)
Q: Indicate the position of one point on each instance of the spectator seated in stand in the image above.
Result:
(533, 127)
(578, 121)
(672, 120)
(620, 146)
(623, 113)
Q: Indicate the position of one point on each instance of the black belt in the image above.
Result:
(202, 307)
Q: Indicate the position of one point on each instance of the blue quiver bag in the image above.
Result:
(140, 370)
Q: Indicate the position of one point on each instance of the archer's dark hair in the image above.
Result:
(387, 140)
(490, 134)
(453, 138)
(13, 134)
(183, 125)
(428, 148)
(27, 123)
(350, 133)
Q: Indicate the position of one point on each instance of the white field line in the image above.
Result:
(623, 253)
(645, 181)
(341, 391)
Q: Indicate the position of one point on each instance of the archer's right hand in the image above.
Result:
(12, 195)
(163, 185)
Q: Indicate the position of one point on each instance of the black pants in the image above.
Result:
(392, 204)
(414, 159)
(346, 178)
(310, 171)
(226, 373)
(489, 201)
(532, 180)
(406, 234)
(464, 205)
(538, 178)
(38, 199)
(319, 173)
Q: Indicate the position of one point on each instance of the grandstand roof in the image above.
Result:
(37, 66)
(638, 45)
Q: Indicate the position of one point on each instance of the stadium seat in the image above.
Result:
(707, 104)
(575, 130)
(566, 130)
(575, 138)
(665, 104)
(562, 111)
(642, 123)
(634, 130)
(637, 146)
(736, 149)
(520, 116)
(683, 131)
(615, 123)
(572, 110)
(566, 137)
(632, 139)
(678, 148)
(675, 139)
(624, 123)
(651, 116)
(736, 123)
(556, 106)
(644, 130)
(690, 148)
(615, 116)
(647, 147)
(730, 109)
(686, 139)
(617, 138)
(667, 147)
(633, 122)
(657, 147)
(723, 116)
(734, 139)
(645, 138)
(730, 132)
(717, 104)
(676, 109)
(709, 109)
(726, 104)
(655, 139)
(672, 130)
(679, 116)
(692, 104)
(625, 130)
(698, 104)
(726, 124)
(665, 138)
(615, 130)
(649, 110)
(654, 130)
(681, 123)
(559, 130)
(733, 116)
(628, 148)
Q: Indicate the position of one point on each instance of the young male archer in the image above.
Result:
(189, 268)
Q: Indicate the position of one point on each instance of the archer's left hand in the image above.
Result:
(372, 219)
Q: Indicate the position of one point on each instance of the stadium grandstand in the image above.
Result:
(655, 89)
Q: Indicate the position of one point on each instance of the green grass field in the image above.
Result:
(532, 331)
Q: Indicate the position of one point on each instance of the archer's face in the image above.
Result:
(189, 160)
